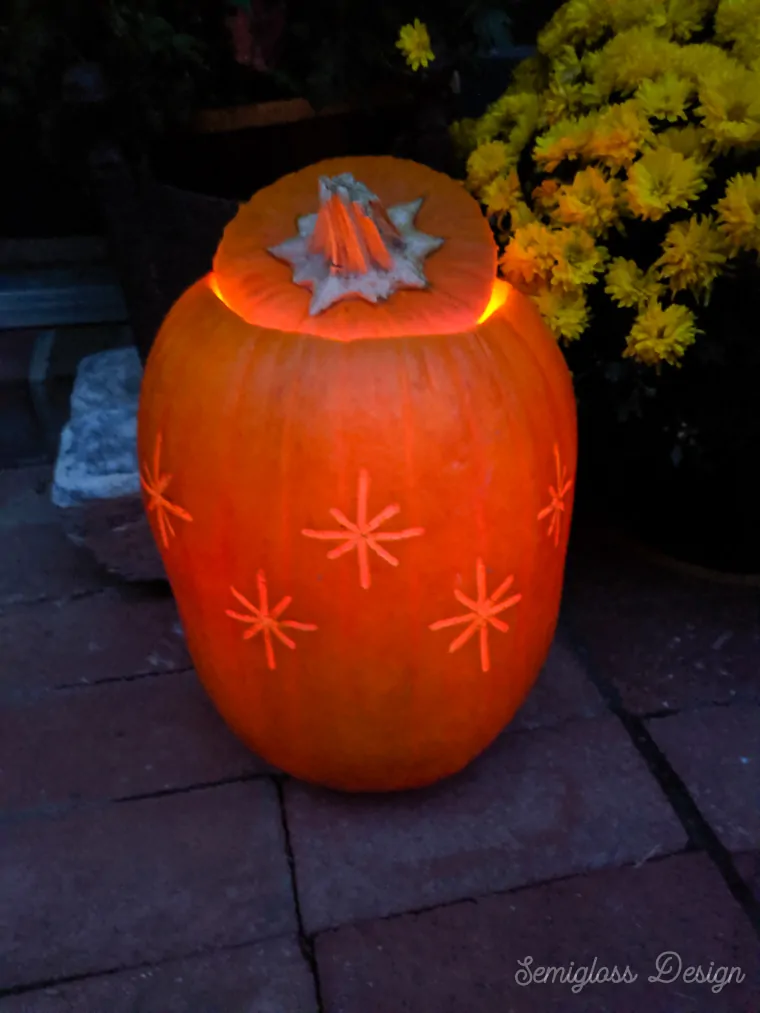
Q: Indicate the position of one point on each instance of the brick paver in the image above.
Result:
(116, 740)
(464, 958)
(39, 562)
(25, 494)
(114, 634)
(562, 691)
(716, 752)
(138, 882)
(537, 805)
(269, 977)
(664, 640)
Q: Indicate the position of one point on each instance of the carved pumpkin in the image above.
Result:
(357, 451)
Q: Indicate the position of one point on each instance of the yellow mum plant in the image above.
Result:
(621, 168)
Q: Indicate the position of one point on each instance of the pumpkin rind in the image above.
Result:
(453, 444)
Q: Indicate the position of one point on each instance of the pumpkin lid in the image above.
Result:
(361, 247)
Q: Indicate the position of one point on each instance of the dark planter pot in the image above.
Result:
(698, 512)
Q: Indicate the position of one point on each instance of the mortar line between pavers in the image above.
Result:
(117, 679)
(671, 712)
(62, 810)
(697, 827)
(305, 941)
(60, 600)
(509, 892)
(109, 972)
(41, 694)
(153, 590)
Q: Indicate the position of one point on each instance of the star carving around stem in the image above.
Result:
(155, 485)
(556, 506)
(363, 534)
(261, 620)
(483, 613)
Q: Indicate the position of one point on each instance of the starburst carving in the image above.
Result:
(556, 507)
(155, 485)
(261, 620)
(483, 613)
(363, 534)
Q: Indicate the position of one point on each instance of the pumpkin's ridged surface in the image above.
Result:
(260, 288)
(264, 433)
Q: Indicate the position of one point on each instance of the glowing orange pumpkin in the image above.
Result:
(357, 452)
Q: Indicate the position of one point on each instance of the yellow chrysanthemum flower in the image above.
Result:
(730, 108)
(528, 259)
(634, 56)
(629, 286)
(661, 334)
(739, 212)
(414, 43)
(576, 21)
(561, 101)
(694, 253)
(529, 75)
(618, 134)
(590, 201)
(545, 194)
(513, 116)
(626, 14)
(566, 65)
(748, 50)
(689, 141)
(686, 17)
(564, 139)
(578, 258)
(566, 314)
(737, 23)
(501, 194)
(698, 60)
(661, 180)
(520, 215)
(666, 97)
(524, 123)
(485, 163)
(595, 90)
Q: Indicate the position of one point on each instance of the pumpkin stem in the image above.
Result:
(353, 231)
(353, 247)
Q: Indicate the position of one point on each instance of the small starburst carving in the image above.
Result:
(155, 485)
(556, 507)
(363, 535)
(483, 612)
(261, 620)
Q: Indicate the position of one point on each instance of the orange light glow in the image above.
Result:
(213, 284)
(499, 295)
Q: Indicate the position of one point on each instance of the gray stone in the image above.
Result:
(98, 453)
(96, 483)
(97, 457)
